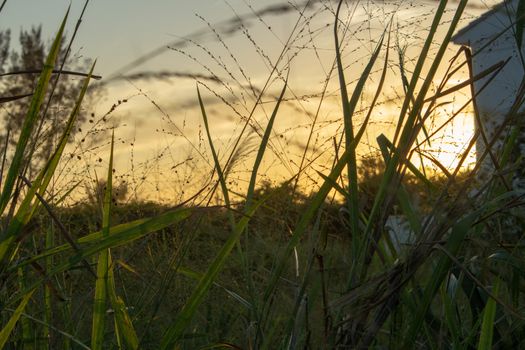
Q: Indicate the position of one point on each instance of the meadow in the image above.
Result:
(276, 266)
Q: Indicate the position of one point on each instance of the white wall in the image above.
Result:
(497, 98)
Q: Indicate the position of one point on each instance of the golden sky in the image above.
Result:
(159, 127)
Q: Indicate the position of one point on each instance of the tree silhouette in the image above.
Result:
(19, 69)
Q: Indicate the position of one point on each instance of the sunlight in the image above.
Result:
(450, 143)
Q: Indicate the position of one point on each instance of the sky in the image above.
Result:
(159, 124)
(116, 31)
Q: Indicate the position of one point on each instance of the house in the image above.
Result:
(492, 39)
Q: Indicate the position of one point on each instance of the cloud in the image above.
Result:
(234, 25)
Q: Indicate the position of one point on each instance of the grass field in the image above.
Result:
(275, 267)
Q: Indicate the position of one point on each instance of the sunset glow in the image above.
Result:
(161, 125)
(449, 145)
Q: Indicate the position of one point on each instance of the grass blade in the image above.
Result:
(222, 179)
(103, 267)
(305, 219)
(49, 169)
(262, 147)
(489, 315)
(123, 325)
(99, 303)
(31, 118)
(349, 107)
(126, 234)
(126, 334)
(449, 297)
(457, 236)
(175, 332)
(402, 194)
(198, 276)
(410, 126)
(26, 210)
(119, 235)
(520, 23)
(8, 328)
(48, 297)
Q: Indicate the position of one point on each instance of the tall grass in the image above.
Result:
(456, 283)
(18, 207)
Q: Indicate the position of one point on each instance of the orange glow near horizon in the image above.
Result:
(449, 144)
(163, 145)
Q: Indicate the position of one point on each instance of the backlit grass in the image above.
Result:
(273, 267)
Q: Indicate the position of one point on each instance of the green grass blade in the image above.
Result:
(402, 194)
(8, 328)
(413, 116)
(305, 219)
(126, 334)
(349, 107)
(198, 276)
(489, 315)
(449, 296)
(49, 170)
(66, 335)
(103, 265)
(4, 156)
(97, 243)
(262, 147)
(119, 235)
(28, 332)
(456, 239)
(509, 146)
(108, 192)
(409, 127)
(175, 331)
(99, 303)
(27, 209)
(123, 325)
(385, 144)
(249, 198)
(410, 90)
(353, 201)
(38, 188)
(48, 297)
(31, 118)
(222, 179)
(379, 88)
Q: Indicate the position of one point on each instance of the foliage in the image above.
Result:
(18, 206)
(26, 64)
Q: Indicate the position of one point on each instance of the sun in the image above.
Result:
(449, 143)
